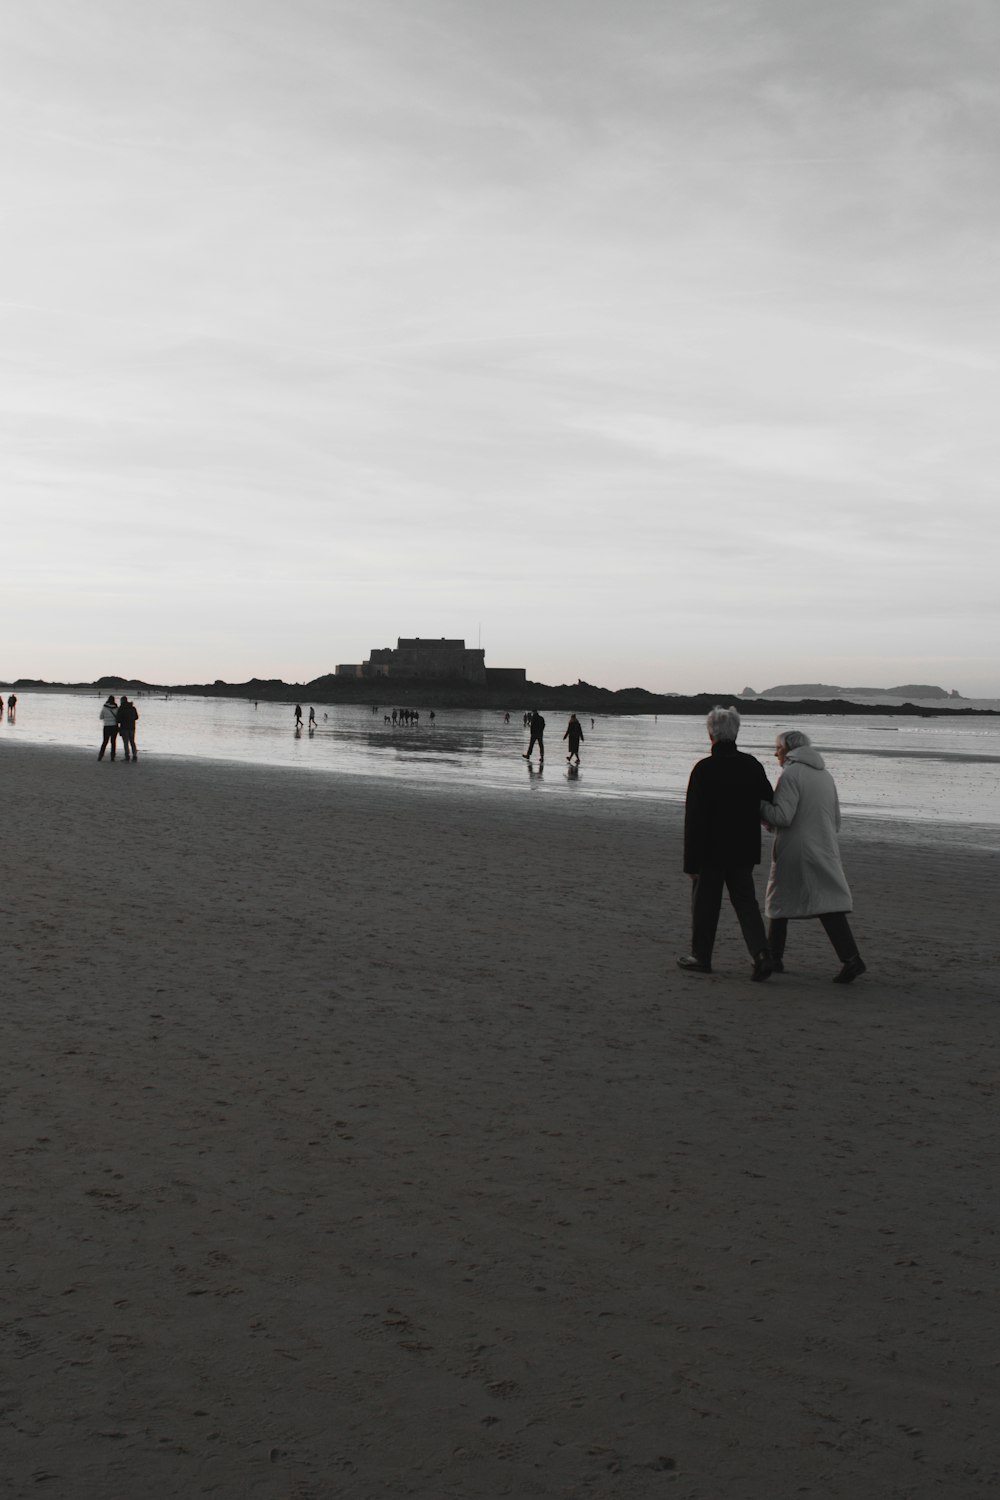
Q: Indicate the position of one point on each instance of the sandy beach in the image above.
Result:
(361, 1140)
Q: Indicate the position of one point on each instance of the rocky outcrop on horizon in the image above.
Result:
(825, 690)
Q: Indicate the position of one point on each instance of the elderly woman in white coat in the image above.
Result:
(807, 878)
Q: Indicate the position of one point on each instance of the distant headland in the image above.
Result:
(441, 693)
(914, 690)
(442, 672)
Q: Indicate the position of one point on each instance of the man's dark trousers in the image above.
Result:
(706, 903)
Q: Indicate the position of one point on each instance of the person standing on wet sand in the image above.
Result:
(109, 726)
(127, 717)
(574, 733)
(537, 725)
(722, 844)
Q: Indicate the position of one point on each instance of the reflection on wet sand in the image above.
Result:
(425, 743)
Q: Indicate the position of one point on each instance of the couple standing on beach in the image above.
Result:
(728, 798)
(118, 719)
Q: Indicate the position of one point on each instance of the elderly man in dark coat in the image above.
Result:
(722, 844)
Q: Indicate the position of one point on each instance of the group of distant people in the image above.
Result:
(398, 716)
(118, 720)
(11, 708)
(729, 799)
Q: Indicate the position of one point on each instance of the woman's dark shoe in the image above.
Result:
(850, 971)
(693, 965)
(763, 968)
(778, 965)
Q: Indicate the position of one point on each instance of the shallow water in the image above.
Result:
(909, 769)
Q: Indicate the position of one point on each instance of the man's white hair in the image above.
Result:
(723, 723)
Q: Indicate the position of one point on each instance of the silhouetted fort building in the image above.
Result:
(420, 659)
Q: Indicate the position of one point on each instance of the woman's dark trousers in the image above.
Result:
(837, 929)
(110, 737)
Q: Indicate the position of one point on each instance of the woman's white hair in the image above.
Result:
(792, 739)
(723, 723)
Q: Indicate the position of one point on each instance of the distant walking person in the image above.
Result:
(298, 715)
(722, 844)
(128, 715)
(1, 705)
(537, 726)
(807, 878)
(574, 733)
(312, 718)
(109, 726)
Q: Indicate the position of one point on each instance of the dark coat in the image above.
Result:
(722, 812)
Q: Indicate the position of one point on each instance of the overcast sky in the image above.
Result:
(654, 341)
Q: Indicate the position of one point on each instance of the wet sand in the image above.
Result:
(361, 1140)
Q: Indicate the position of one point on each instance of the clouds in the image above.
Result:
(330, 322)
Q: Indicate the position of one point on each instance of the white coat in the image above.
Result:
(807, 878)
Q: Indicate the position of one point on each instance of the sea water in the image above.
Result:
(915, 770)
